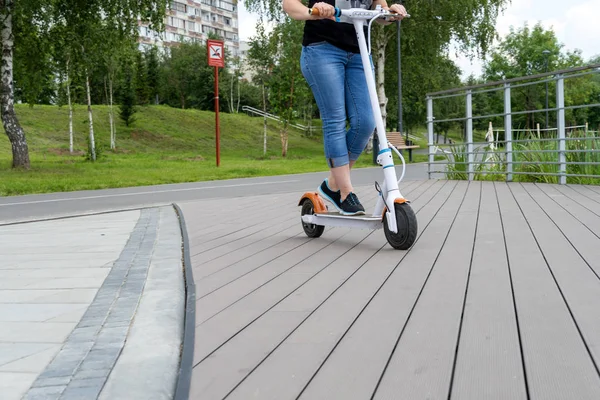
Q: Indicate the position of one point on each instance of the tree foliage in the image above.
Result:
(528, 51)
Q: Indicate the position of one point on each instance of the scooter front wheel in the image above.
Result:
(406, 222)
(311, 230)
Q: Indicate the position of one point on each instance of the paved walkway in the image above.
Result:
(91, 307)
(498, 298)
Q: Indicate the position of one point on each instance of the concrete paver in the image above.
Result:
(50, 272)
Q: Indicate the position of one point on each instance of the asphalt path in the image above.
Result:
(18, 209)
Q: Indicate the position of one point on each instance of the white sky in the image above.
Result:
(576, 24)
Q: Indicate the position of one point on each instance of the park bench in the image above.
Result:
(398, 141)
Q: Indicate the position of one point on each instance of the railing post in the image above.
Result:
(469, 122)
(508, 133)
(430, 134)
(560, 125)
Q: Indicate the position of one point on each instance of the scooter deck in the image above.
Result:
(348, 221)
(336, 214)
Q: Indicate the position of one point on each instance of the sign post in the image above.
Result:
(216, 58)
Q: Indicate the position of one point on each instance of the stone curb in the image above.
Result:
(128, 343)
(148, 366)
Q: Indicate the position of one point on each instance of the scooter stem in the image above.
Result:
(388, 170)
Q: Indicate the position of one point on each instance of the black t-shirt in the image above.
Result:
(340, 34)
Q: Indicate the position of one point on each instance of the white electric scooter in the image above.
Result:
(392, 210)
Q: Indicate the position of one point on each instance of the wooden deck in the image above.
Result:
(499, 298)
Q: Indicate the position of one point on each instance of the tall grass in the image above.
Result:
(542, 159)
(534, 160)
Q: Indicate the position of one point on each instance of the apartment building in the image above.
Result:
(190, 20)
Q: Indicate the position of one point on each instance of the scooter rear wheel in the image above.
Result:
(406, 221)
(311, 230)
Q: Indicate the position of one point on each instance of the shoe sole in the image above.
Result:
(326, 197)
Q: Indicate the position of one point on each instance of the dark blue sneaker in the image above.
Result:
(351, 205)
(330, 195)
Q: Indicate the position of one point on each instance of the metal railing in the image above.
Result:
(256, 111)
(560, 154)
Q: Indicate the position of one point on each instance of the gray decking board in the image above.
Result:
(320, 317)
(595, 189)
(204, 260)
(581, 238)
(230, 294)
(421, 364)
(208, 306)
(354, 367)
(311, 342)
(241, 236)
(574, 195)
(576, 280)
(488, 361)
(231, 266)
(589, 194)
(298, 303)
(552, 348)
(590, 220)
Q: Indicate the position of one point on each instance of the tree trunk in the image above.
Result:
(237, 110)
(89, 104)
(70, 108)
(381, 43)
(111, 116)
(15, 133)
(264, 120)
(230, 100)
(283, 135)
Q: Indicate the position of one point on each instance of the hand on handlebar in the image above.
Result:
(399, 10)
(322, 11)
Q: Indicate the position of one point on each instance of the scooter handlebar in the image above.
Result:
(356, 12)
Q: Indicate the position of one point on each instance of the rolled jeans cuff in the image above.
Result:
(338, 161)
(353, 156)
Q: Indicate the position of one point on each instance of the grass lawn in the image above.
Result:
(164, 145)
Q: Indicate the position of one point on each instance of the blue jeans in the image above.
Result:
(336, 78)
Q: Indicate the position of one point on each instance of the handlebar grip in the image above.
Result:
(315, 12)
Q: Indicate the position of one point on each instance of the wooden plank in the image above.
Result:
(556, 361)
(235, 264)
(587, 192)
(209, 306)
(574, 195)
(228, 365)
(488, 360)
(257, 274)
(594, 188)
(242, 234)
(415, 347)
(213, 303)
(353, 369)
(579, 285)
(311, 343)
(583, 239)
(236, 344)
(203, 262)
(584, 215)
(215, 218)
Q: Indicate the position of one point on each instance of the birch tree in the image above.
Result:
(89, 24)
(261, 61)
(14, 131)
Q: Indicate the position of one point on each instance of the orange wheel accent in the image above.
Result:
(318, 203)
(399, 200)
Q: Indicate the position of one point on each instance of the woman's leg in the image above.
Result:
(324, 68)
(362, 123)
(358, 106)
